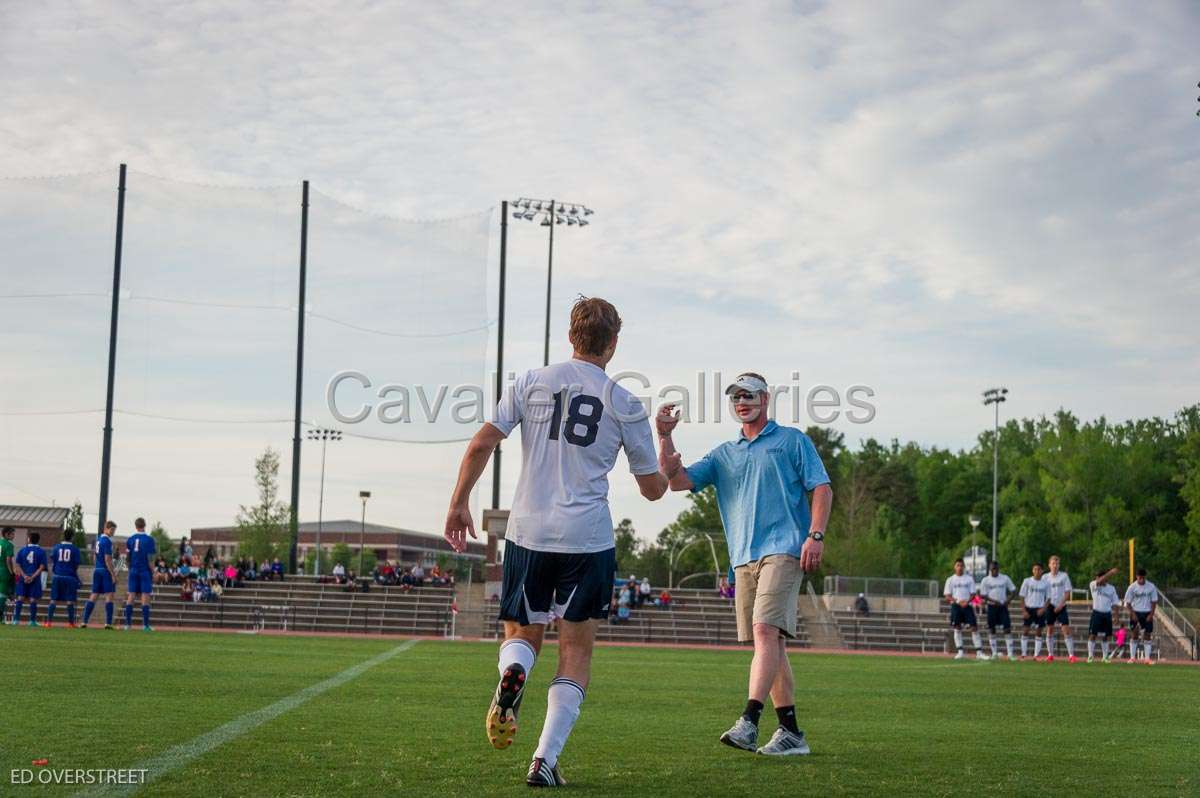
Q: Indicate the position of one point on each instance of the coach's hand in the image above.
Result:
(670, 463)
(458, 524)
(810, 555)
(665, 420)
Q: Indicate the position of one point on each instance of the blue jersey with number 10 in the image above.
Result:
(141, 549)
(65, 557)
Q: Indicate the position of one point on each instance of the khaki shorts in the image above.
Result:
(766, 592)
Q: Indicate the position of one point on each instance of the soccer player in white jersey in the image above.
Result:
(1056, 615)
(996, 588)
(1034, 598)
(1104, 598)
(1142, 598)
(559, 556)
(959, 590)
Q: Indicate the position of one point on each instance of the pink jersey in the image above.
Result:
(1121, 636)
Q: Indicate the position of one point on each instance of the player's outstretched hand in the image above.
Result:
(810, 555)
(666, 419)
(458, 524)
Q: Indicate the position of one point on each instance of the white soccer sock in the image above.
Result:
(1091, 648)
(562, 710)
(1104, 646)
(519, 652)
(1037, 647)
(958, 639)
(1024, 646)
(992, 643)
(1008, 644)
(1070, 646)
(1146, 648)
(977, 640)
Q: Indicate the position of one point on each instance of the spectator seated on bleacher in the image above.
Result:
(664, 600)
(231, 575)
(644, 591)
(724, 589)
(348, 582)
(277, 569)
(185, 589)
(162, 574)
(185, 571)
(861, 606)
(418, 575)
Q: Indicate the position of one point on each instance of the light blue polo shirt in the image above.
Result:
(762, 490)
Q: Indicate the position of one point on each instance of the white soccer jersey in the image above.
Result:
(1103, 597)
(1141, 597)
(997, 588)
(960, 588)
(574, 420)
(1034, 591)
(1060, 587)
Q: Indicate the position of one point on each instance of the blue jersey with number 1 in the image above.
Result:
(141, 549)
(65, 559)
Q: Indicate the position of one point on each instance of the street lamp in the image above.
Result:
(994, 396)
(551, 213)
(324, 436)
(362, 534)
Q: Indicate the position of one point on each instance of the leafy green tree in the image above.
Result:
(74, 524)
(162, 542)
(262, 530)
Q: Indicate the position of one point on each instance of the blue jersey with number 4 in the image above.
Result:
(65, 559)
(31, 558)
(141, 549)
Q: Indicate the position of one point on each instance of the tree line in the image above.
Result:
(1077, 489)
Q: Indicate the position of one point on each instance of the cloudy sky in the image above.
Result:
(927, 200)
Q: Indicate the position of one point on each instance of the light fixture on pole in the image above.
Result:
(551, 214)
(323, 435)
(362, 534)
(994, 396)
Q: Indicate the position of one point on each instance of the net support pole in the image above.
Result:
(294, 515)
(500, 345)
(106, 457)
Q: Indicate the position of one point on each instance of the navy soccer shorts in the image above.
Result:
(29, 590)
(102, 582)
(1143, 621)
(141, 582)
(1035, 620)
(574, 587)
(64, 588)
(1100, 624)
(1060, 618)
(962, 616)
(998, 617)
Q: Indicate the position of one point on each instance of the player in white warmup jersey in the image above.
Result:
(959, 590)
(559, 555)
(1104, 598)
(1034, 598)
(996, 588)
(1142, 598)
(1056, 615)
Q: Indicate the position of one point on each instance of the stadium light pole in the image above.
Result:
(974, 522)
(551, 213)
(362, 531)
(106, 455)
(994, 396)
(324, 436)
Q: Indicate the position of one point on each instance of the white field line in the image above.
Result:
(175, 758)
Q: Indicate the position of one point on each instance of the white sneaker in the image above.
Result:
(981, 656)
(786, 743)
(1012, 657)
(742, 734)
(960, 655)
(1090, 659)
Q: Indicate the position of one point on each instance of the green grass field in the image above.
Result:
(413, 724)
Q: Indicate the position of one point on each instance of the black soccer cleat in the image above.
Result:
(543, 775)
(501, 721)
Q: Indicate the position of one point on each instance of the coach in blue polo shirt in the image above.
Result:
(763, 480)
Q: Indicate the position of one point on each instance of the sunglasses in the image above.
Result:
(742, 398)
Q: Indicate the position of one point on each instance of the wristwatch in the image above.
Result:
(817, 536)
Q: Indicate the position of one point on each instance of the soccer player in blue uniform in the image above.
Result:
(103, 576)
(139, 550)
(64, 562)
(31, 563)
